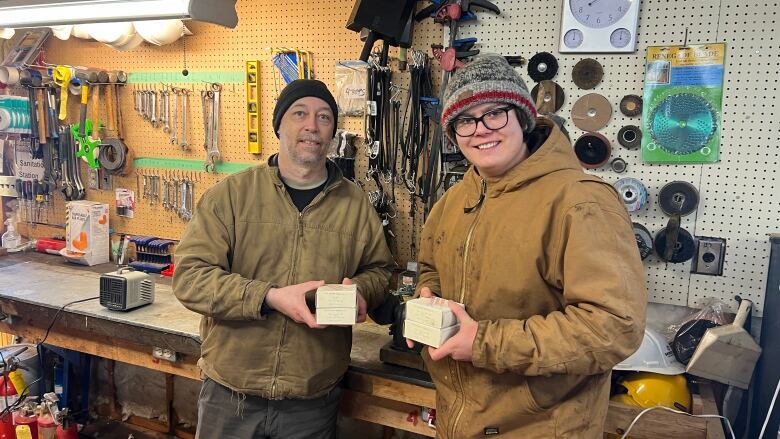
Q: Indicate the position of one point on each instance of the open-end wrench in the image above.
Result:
(166, 98)
(185, 94)
(153, 118)
(212, 154)
(175, 127)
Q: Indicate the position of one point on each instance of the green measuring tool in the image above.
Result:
(188, 165)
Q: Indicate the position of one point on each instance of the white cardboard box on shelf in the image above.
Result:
(428, 335)
(431, 311)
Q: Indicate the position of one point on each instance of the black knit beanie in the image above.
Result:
(301, 88)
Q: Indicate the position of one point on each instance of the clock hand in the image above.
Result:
(592, 2)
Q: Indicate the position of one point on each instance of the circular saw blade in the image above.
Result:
(682, 123)
(644, 240)
(587, 73)
(678, 198)
(551, 99)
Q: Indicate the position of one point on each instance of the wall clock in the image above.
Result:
(599, 26)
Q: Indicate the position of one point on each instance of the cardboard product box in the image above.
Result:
(336, 304)
(336, 316)
(336, 296)
(428, 335)
(431, 311)
(86, 232)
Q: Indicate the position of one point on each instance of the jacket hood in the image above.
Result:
(554, 154)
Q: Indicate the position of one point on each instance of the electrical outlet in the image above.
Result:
(165, 354)
(710, 254)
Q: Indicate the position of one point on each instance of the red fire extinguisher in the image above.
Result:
(67, 432)
(7, 393)
(27, 417)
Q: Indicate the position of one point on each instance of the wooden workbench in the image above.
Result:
(33, 287)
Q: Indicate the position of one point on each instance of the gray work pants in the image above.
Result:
(226, 414)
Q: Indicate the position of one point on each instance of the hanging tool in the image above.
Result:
(453, 57)
(253, 106)
(175, 127)
(28, 80)
(210, 100)
(61, 77)
(185, 94)
(87, 147)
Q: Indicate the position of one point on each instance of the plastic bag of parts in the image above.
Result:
(684, 335)
(351, 87)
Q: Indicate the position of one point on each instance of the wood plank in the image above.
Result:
(653, 425)
(384, 412)
(391, 389)
(107, 347)
(709, 406)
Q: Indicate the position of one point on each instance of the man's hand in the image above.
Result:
(424, 292)
(291, 301)
(361, 303)
(459, 346)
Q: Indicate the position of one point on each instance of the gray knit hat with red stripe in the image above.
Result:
(487, 78)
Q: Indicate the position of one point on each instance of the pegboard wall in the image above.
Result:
(736, 194)
(737, 200)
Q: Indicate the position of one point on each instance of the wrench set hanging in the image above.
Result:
(169, 110)
(175, 192)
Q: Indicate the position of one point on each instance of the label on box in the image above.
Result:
(428, 335)
(431, 311)
(336, 316)
(336, 296)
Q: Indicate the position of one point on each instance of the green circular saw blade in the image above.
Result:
(682, 123)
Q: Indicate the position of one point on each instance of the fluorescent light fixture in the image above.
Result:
(37, 13)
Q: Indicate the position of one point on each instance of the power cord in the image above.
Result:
(54, 320)
(769, 412)
(625, 435)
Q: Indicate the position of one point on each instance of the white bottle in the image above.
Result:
(11, 239)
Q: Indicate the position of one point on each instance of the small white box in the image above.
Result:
(428, 335)
(336, 316)
(431, 311)
(336, 296)
(87, 232)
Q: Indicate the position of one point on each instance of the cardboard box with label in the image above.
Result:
(86, 232)
(430, 321)
(336, 304)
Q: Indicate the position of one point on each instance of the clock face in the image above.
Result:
(573, 38)
(620, 37)
(599, 13)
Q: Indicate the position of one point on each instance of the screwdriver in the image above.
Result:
(46, 199)
(20, 196)
(36, 195)
(28, 199)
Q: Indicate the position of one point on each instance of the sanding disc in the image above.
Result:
(587, 73)
(644, 240)
(542, 66)
(591, 112)
(684, 248)
(551, 99)
(631, 105)
(630, 137)
(678, 198)
(592, 150)
(632, 192)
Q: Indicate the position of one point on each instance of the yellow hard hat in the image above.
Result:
(625, 399)
(649, 389)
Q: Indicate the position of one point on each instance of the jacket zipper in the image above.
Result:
(483, 191)
(298, 236)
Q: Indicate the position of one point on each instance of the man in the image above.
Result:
(544, 259)
(259, 241)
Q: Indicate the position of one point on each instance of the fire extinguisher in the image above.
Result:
(7, 394)
(67, 431)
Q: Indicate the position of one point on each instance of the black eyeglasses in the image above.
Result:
(493, 120)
